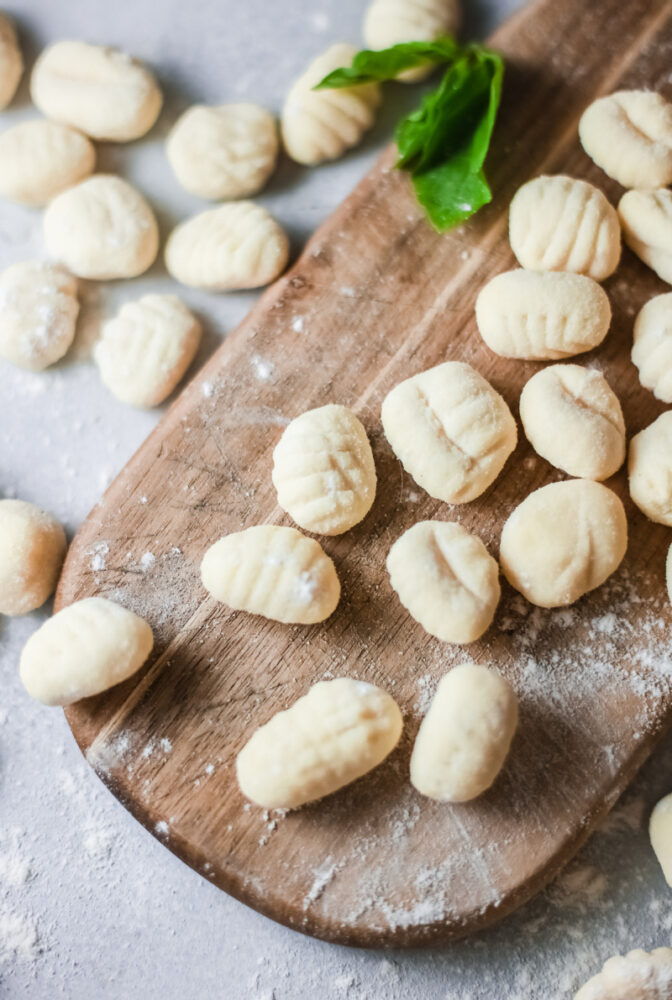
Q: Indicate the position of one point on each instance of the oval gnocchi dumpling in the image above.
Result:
(639, 975)
(39, 159)
(38, 314)
(333, 735)
(32, 549)
(389, 22)
(660, 833)
(652, 347)
(650, 469)
(450, 430)
(226, 248)
(11, 61)
(272, 571)
(629, 135)
(323, 470)
(542, 316)
(646, 219)
(319, 125)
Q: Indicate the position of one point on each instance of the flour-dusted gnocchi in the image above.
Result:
(320, 125)
(323, 470)
(466, 735)
(272, 571)
(660, 832)
(102, 229)
(38, 314)
(224, 151)
(389, 22)
(39, 159)
(446, 579)
(574, 420)
(562, 541)
(11, 61)
(542, 316)
(646, 220)
(562, 224)
(652, 347)
(32, 549)
(84, 649)
(639, 975)
(650, 469)
(97, 89)
(629, 135)
(226, 248)
(331, 736)
(450, 430)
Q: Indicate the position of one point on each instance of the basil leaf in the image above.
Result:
(375, 67)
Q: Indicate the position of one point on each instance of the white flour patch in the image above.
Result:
(147, 562)
(207, 388)
(298, 324)
(263, 369)
(18, 938)
(15, 867)
(98, 556)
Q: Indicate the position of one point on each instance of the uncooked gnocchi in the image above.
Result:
(389, 22)
(629, 135)
(639, 975)
(450, 430)
(320, 125)
(446, 579)
(646, 219)
(39, 159)
(99, 90)
(102, 229)
(272, 571)
(32, 549)
(226, 248)
(336, 733)
(650, 469)
(38, 314)
(11, 61)
(323, 470)
(466, 735)
(652, 347)
(542, 316)
(227, 151)
(144, 351)
(84, 649)
(562, 541)
(573, 419)
(660, 832)
(562, 224)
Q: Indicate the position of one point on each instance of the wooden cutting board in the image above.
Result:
(376, 297)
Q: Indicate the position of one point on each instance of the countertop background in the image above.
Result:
(91, 906)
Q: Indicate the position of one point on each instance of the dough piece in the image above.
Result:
(39, 159)
(389, 22)
(562, 541)
(323, 470)
(102, 229)
(652, 347)
(319, 125)
(450, 430)
(11, 61)
(646, 219)
(86, 648)
(272, 571)
(335, 734)
(38, 314)
(466, 735)
(629, 135)
(660, 832)
(563, 224)
(635, 976)
(650, 469)
(542, 316)
(99, 90)
(574, 420)
(227, 248)
(446, 579)
(32, 549)
(226, 151)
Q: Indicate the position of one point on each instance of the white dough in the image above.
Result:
(389, 22)
(144, 351)
(629, 135)
(99, 90)
(542, 316)
(639, 975)
(450, 430)
(102, 229)
(660, 832)
(446, 579)
(86, 648)
(11, 61)
(320, 125)
(39, 159)
(331, 736)
(32, 549)
(652, 347)
(646, 220)
(323, 470)
(466, 735)
(650, 469)
(574, 420)
(225, 151)
(38, 314)
(562, 541)
(231, 247)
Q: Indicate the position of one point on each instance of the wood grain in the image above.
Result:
(375, 297)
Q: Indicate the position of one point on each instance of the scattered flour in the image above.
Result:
(147, 562)
(18, 938)
(98, 556)
(263, 369)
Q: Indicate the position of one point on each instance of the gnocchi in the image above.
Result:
(32, 549)
(38, 314)
(389, 22)
(646, 219)
(652, 346)
(450, 430)
(84, 649)
(323, 470)
(639, 975)
(446, 579)
(39, 159)
(144, 351)
(226, 248)
(660, 832)
(562, 541)
(272, 571)
(11, 61)
(629, 135)
(650, 469)
(319, 125)
(336, 733)
(542, 316)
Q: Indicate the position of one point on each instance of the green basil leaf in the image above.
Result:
(369, 66)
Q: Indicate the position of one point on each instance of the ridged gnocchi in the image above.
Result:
(32, 549)
(38, 314)
(650, 469)
(389, 22)
(646, 219)
(629, 135)
(11, 61)
(652, 346)
(39, 159)
(639, 975)
(660, 833)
